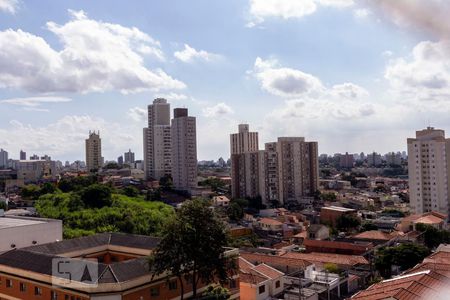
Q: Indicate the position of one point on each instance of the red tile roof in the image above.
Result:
(269, 221)
(339, 259)
(376, 235)
(252, 278)
(420, 285)
(364, 246)
(268, 271)
(275, 260)
(245, 265)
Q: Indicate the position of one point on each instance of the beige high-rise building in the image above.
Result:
(298, 171)
(287, 170)
(243, 141)
(244, 162)
(184, 150)
(429, 171)
(93, 152)
(157, 142)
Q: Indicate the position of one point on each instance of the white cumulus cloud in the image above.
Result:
(9, 6)
(95, 57)
(287, 9)
(424, 75)
(220, 109)
(35, 101)
(189, 55)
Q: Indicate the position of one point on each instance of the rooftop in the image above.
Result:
(338, 208)
(8, 222)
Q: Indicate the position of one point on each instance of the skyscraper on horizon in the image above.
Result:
(93, 152)
(3, 159)
(129, 157)
(23, 155)
(184, 150)
(429, 171)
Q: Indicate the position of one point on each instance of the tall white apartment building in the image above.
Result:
(157, 142)
(428, 169)
(94, 159)
(243, 141)
(184, 150)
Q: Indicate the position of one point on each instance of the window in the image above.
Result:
(262, 289)
(277, 284)
(172, 285)
(9, 283)
(37, 291)
(154, 291)
(22, 287)
(53, 295)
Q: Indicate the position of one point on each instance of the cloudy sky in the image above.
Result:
(353, 75)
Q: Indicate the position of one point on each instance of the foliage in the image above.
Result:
(125, 214)
(30, 192)
(47, 188)
(166, 182)
(251, 241)
(153, 195)
(96, 196)
(3, 205)
(405, 256)
(70, 184)
(255, 202)
(112, 166)
(214, 183)
(235, 212)
(331, 268)
(193, 244)
(328, 196)
(130, 191)
(347, 222)
(216, 292)
(433, 237)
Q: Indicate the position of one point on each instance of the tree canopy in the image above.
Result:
(405, 256)
(193, 243)
(347, 222)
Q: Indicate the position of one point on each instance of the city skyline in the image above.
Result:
(351, 75)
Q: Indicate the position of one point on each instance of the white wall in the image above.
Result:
(23, 236)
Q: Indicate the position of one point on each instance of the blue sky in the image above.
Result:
(353, 75)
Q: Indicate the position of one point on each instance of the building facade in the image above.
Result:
(121, 261)
(3, 159)
(93, 152)
(429, 171)
(184, 150)
(23, 155)
(35, 170)
(285, 171)
(157, 141)
(243, 141)
(129, 157)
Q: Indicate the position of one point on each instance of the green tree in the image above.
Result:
(347, 222)
(47, 188)
(216, 292)
(433, 237)
(70, 184)
(214, 183)
(331, 268)
(3, 205)
(130, 191)
(193, 244)
(235, 211)
(30, 192)
(405, 256)
(96, 196)
(328, 196)
(166, 182)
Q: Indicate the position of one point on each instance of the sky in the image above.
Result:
(354, 75)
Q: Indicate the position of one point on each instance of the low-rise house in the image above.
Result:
(221, 201)
(378, 237)
(330, 214)
(337, 247)
(270, 224)
(318, 232)
(344, 262)
(433, 218)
